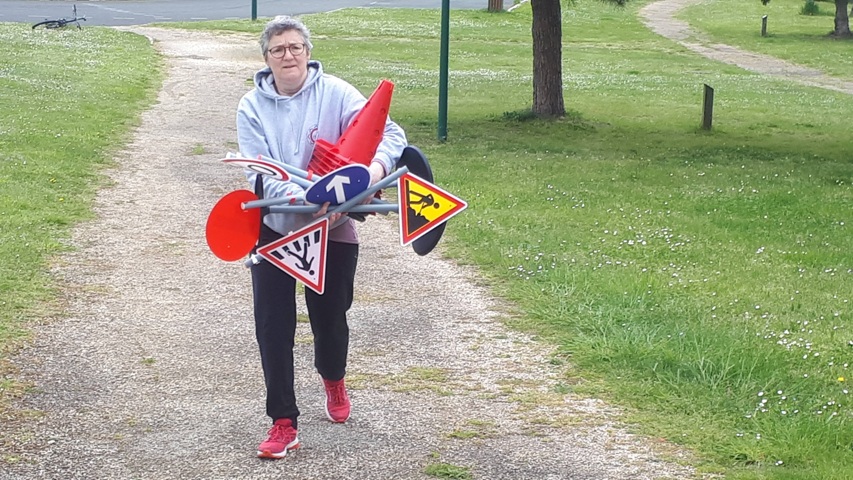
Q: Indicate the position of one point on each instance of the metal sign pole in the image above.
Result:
(442, 74)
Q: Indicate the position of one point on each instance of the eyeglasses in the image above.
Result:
(279, 51)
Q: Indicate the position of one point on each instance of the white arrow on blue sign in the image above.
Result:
(339, 186)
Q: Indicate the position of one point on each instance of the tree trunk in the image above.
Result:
(842, 21)
(547, 59)
(496, 5)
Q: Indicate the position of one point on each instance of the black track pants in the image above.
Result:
(275, 324)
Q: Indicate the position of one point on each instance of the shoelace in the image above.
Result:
(281, 433)
(338, 394)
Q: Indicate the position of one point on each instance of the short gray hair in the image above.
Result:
(281, 24)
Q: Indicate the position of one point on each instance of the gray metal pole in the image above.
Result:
(386, 208)
(298, 176)
(356, 200)
(255, 259)
(267, 202)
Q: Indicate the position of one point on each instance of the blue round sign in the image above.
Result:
(339, 186)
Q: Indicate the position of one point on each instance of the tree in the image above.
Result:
(842, 20)
(547, 59)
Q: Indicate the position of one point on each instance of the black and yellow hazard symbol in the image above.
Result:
(423, 206)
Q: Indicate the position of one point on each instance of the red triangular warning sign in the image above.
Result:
(302, 254)
(424, 206)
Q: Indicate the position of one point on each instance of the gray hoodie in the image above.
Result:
(285, 129)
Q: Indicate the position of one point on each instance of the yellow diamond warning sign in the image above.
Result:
(425, 206)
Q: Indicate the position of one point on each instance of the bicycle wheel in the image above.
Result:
(48, 24)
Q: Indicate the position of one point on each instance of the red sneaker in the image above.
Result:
(337, 401)
(282, 437)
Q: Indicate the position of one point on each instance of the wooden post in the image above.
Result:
(764, 26)
(496, 5)
(708, 109)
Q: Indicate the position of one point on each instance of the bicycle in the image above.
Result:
(62, 22)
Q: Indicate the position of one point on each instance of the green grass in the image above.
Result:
(447, 470)
(739, 23)
(699, 279)
(67, 99)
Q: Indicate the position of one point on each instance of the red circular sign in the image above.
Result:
(231, 231)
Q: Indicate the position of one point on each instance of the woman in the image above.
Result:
(292, 105)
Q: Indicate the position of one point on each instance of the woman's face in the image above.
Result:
(289, 71)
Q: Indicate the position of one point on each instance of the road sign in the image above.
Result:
(423, 207)
(415, 160)
(339, 186)
(302, 254)
(264, 167)
(232, 232)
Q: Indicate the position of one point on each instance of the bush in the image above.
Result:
(810, 8)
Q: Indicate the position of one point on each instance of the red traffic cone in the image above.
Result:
(326, 158)
(359, 142)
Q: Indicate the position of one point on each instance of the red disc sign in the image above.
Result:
(231, 231)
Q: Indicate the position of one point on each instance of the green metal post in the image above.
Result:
(254, 10)
(442, 73)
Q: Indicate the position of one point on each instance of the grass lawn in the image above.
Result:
(739, 23)
(700, 279)
(67, 100)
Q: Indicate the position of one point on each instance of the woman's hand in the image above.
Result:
(377, 172)
(334, 217)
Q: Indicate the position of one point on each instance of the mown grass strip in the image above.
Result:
(68, 98)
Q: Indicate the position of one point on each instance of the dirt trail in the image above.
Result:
(154, 372)
(659, 17)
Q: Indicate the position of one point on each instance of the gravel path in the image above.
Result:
(153, 373)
